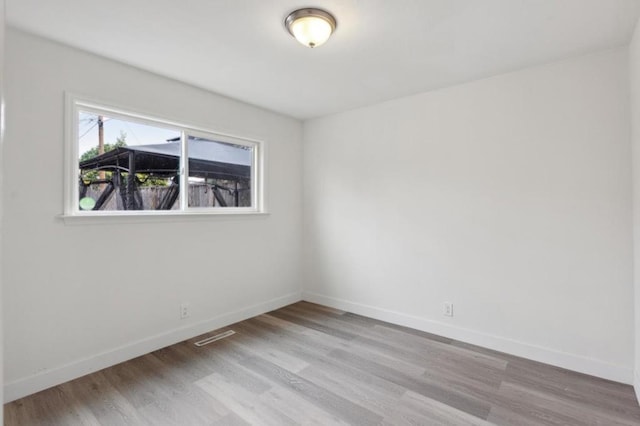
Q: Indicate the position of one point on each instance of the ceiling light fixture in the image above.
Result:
(310, 26)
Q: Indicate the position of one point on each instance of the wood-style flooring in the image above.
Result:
(312, 365)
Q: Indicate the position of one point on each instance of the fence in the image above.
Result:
(199, 195)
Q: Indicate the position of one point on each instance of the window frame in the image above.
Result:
(74, 104)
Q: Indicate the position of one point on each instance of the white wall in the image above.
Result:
(2, 8)
(85, 296)
(509, 197)
(634, 73)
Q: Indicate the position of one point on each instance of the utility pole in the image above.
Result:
(101, 175)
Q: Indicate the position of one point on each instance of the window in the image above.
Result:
(127, 163)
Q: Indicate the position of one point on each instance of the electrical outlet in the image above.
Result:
(184, 310)
(447, 309)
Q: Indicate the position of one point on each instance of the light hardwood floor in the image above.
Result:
(312, 365)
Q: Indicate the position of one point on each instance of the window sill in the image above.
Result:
(158, 217)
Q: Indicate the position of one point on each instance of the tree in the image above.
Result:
(93, 152)
(121, 141)
(93, 175)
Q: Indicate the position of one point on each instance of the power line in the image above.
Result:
(90, 128)
(126, 123)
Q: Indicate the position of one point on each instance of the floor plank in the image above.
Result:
(307, 364)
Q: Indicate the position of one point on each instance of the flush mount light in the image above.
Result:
(311, 27)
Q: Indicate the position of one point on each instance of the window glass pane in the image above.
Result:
(219, 173)
(126, 165)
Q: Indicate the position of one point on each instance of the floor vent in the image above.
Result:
(215, 338)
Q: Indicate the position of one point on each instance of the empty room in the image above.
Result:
(363, 212)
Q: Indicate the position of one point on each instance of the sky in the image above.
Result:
(136, 133)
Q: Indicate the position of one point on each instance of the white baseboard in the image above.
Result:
(32, 384)
(55, 376)
(636, 384)
(569, 361)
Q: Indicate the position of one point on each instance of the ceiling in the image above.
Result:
(381, 50)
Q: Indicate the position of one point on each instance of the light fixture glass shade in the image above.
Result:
(311, 27)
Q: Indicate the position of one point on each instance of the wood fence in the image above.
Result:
(200, 195)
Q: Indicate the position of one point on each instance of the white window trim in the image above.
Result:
(74, 103)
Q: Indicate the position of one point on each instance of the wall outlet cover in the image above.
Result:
(447, 309)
